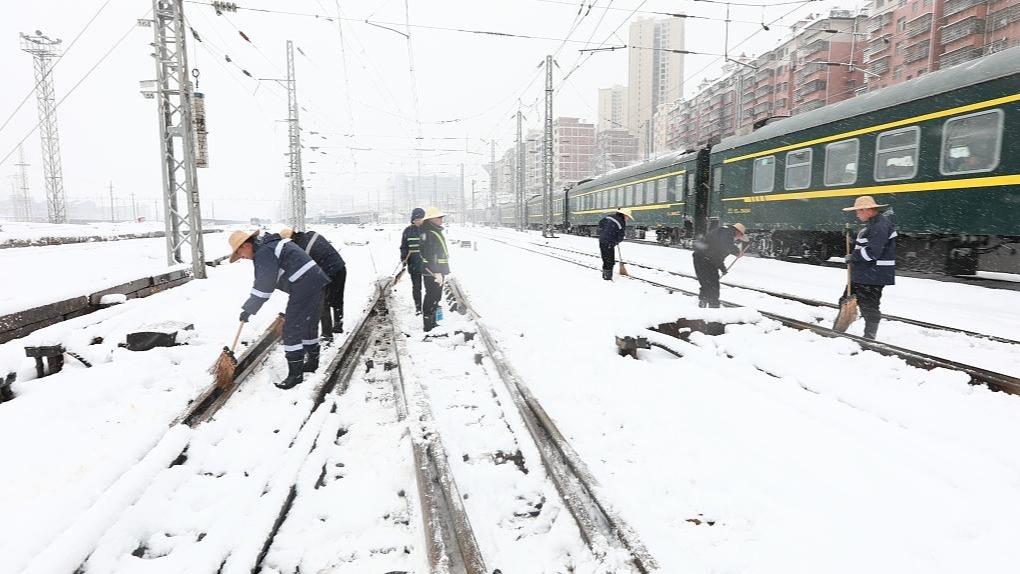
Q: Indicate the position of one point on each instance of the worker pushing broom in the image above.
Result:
(280, 264)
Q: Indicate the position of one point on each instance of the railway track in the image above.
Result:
(994, 380)
(428, 512)
(986, 282)
(794, 298)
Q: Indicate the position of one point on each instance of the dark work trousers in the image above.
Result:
(869, 298)
(608, 255)
(333, 298)
(708, 277)
(415, 288)
(301, 324)
(433, 293)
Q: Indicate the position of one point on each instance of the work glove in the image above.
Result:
(847, 258)
(245, 316)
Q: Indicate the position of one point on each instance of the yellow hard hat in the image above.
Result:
(433, 212)
(237, 239)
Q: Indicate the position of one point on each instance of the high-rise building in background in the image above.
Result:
(573, 149)
(613, 109)
(908, 39)
(655, 75)
(614, 149)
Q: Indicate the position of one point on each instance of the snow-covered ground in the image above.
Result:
(40, 275)
(980, 352)
(20, 230)
(83, 429)
(764, 449)
(761, 450)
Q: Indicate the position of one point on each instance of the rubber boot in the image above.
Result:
(870, 329)
(702, 303)
(429, 321)
(338, 321)
(295, 373)
(607, 274)
(311, 361)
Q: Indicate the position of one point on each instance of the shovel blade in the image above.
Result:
(847, 314)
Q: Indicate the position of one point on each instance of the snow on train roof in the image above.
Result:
(976, 71)
(653, 164)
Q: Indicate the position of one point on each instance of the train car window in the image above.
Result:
(896, 154)
(972, 143)
(629, 198)
(649, 196)
(717, 179)
(841, 162)
(798, 169)
(690, 184)
(763, 176)
(672, 183)
(661, 195)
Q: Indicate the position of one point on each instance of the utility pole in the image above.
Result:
(24, 207)
(134, 207)
(43, 50)
(493, 177)
(173, 92)
(297, 185)
(112, 216)
(460, 204)
(520, 171)
(474, 216)
(547, 148)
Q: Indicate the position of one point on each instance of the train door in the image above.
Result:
(707, 181)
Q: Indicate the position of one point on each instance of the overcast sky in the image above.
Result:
(465, 86)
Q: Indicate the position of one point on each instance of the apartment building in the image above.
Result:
(613, 108)
(614, 149)
(655, 75)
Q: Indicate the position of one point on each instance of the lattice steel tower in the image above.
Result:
(23, 206)
(44, 50)
(547, 147)
(177, 136)
(297, 184)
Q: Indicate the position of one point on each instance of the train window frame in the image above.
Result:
(857, 163)
(809, 163)
(754, 171)
(690, 185)
(661, 190)
(998, 142)
(628, 198)
(916, 147)
(649, 194)
(671, 188)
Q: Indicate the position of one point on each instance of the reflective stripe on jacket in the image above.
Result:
(279, 263)
(321, 251)
(874, 256)
(434, 254)
(611, 229)
(410, 247)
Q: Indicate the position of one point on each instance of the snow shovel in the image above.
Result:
(403, 267)
(848, 305)
(623, 268)
(739, 255)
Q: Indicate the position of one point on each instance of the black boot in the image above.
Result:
(311, 362)
(429, 320)
(338, 321)
(607, 274)
(294, 373)
(870, 329)
(702, 304)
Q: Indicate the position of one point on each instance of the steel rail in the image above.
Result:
(452, 545)
(802, 300)
(995, 381)
(600, 524)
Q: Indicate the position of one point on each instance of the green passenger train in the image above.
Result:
(936, 148)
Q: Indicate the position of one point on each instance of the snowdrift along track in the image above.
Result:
(995, 381)
(603, 529)
(803, 300)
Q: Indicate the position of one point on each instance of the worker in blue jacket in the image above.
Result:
(410, 254)
(612, 230)
(873, 260)
(332, 264)
(280, 264)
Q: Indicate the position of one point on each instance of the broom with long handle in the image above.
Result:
(848, 306)
(623, 268)
(223, 368)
